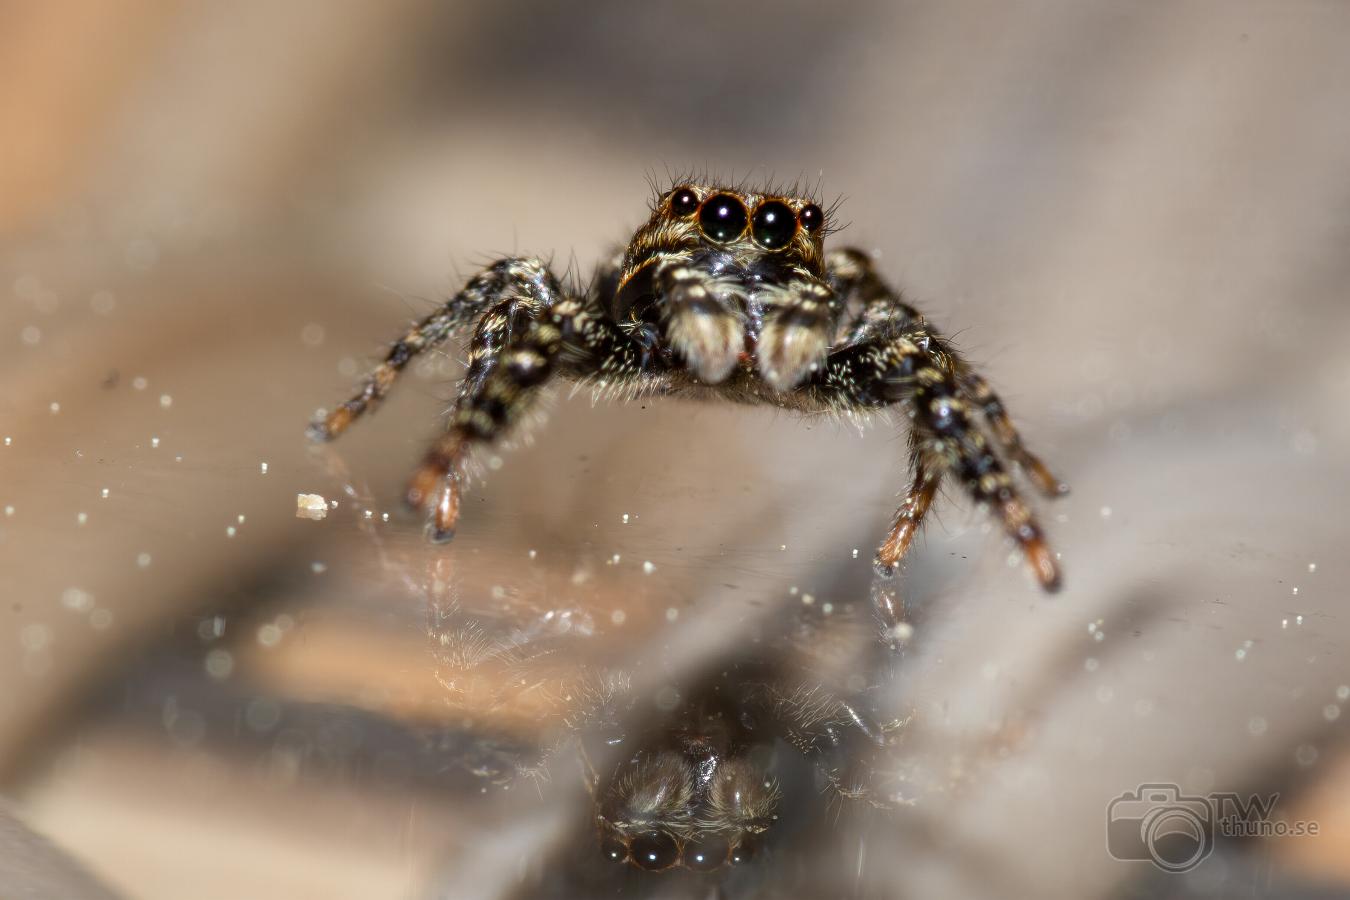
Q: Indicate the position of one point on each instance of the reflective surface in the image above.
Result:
(1133, 219)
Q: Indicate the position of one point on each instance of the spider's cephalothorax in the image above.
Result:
(728, 292)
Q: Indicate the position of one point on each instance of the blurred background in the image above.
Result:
(1134, 217)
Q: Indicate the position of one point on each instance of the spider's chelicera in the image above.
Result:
(723, 293)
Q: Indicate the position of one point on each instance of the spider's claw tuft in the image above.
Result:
(326, 428)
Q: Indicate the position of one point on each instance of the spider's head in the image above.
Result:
(668, 809)
(735, 232)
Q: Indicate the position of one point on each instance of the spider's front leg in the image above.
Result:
(905, 365)
(499, 279)
(532, 331)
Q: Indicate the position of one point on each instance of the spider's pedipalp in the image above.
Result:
(799, 319)
(703, 319)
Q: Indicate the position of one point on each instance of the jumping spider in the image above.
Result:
(723, 293)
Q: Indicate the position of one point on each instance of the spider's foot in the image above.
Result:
(883, 568)
(325, 428)
(434, 490)
(1042, 562)
(1042, 477)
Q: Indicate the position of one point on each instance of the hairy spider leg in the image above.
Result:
(881, 308)
(1009, 439)
(800, 318)
(482, 290)
(910, 515)
(901, 367)
(532, 331)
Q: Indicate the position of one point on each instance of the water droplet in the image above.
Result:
(230, 531)
(55, 408)
(219, 664)
(139, 383)
(143, 560)
(165, 401)
(1331, 712)
(648, 568)
(672, 614)
(1106, 512)
(618, 617)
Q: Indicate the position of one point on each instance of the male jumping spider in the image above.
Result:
(729, 293)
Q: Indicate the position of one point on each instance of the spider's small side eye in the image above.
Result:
(655, 851)
(614, 850)
(774, 225)
(684, 202)
(811, 217)
(723, 218)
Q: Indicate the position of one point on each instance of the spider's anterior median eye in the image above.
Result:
(773, 225)
(722, 218)
(655, 851)
(683, 202)
(811, 217)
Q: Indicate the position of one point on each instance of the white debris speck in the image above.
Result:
(618, 617)
(625, 518)
(855, 552)
(614, 560)
(1106, 512)
(230, 531)
(1312, 567)
(81, 518)
(9, 510)
(368, 514)
(384, 517)
(782, 546)
(269, 635)
(103, 493)
(178, 459)
(30, 335)
(1343, 693)
(494, 463)
(827, 608)
(1284, 623)
(154, 442)
(139, 383)
(1331, 712)
(1241, 653)
(1295, 591)
(808, 599)
(165, 401)
(1298, 620)
(533, 553)
(672, 614)
(55, 408)
(241, 518)
(143, 560)
(9, 441)
(262, 467)
(647, 567)
(318, 568)
(310, 506)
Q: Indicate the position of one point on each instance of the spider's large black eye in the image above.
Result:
(773, 225)
(722, 218)
(811, 217)
(683, 202)
(654, 851)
